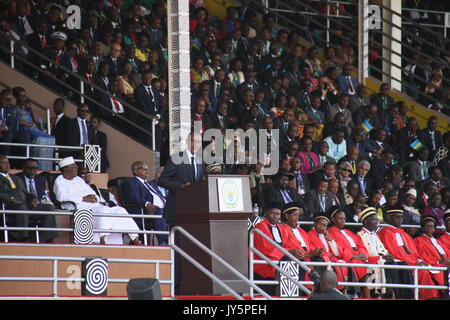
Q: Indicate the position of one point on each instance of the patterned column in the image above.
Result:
(179, 74)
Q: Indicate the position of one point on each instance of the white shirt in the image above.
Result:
(299, 237)
(349, 239)
(26, 25)
(324, 241)
(58, 117)
(189, 154)
(437, 246)
(156, 200)
(276, 234)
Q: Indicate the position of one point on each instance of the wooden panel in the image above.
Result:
(72, 269)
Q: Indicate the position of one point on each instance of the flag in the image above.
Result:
(416, 144)
(367, 126)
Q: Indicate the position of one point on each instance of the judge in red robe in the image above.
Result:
(351, 248)
(319, 238)
(270, 227)
(298, 240)
(403, 248)
(430, 250)
(444, 240)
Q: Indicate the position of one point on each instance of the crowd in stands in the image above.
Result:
(342, 150)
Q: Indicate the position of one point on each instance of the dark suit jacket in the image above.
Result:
(39, 182)
(6, 192)
(377, 171)
(330, 294)
(114, 68)
(403, 142)
(312, 202)
(273, 193)
(444, 165)
(73, 136)
(136, 193)
(425, 138)
(145, 103)
(363, 147)
(102, 141)
(370, 187)
(414, 170)
(34, 41)
(315, 177)
(173, 177)
(60, 130)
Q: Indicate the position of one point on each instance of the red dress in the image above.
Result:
(388, 236)
(268, 249)
(431, 256)
(444, 241)
(345, 248)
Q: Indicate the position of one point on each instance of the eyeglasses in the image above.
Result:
(348, 170)
(142, 168)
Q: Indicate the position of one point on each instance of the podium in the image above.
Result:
(215, 211)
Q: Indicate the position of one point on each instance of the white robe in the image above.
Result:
(74, 190)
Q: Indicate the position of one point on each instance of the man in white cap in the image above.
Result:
(69, 187)
(411, 214)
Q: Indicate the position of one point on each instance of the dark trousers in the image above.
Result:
(26, 220)
(402, 277)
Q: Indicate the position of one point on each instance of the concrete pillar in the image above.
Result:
(392, 50)
(179, 82)
(363, 40)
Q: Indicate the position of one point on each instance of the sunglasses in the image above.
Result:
(348, 170)
(143, 168)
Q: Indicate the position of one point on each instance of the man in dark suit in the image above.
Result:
(406, 136)
(378, 144)
(80, 132)
(358, 139)
(282, 123)
(328, 172)
(249, 83)
(366, 186)
(435, 177)
(431, 137)
(102, 141)
(379, 166)
(281, 192)
(318, 199)
(58, 57)
(180, 171)
(60, 123)
(14, 196)
(382, 100)
(35, 186)
(146, 197)
(21, 23)
(418, 168)
(102, 80)
(147, 98)
(218, 119)
(114, 61)
(346, 81)
(38, 41)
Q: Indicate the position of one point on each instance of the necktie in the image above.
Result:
(22, 25)
(150, 92)
(322, 202)
(353, 167)
(58, 57)
(423, 165)
(84, 132)
(43, 42)
(32, 187)
(350, 86)
(432, 140)
(154, 191)
(216, 91)
(286, 196)
(193, 169)
(11, 182)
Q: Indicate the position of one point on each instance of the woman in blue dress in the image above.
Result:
(32, 125)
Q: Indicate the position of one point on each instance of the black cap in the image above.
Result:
(428, 218)
(292, 206)
(284, 172)
(273, 205)
(321, 215)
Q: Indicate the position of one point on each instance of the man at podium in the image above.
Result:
(176, 175)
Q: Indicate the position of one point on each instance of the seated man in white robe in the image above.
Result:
(69, 187)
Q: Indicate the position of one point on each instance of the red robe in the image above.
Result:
(431, 256)
(444, 241)
(388, 237)
(346, 251)
(268, 249)
(327, 255)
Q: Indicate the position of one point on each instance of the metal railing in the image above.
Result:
(225, 264)
(71, 213)
(55, 279)
(14, 55)
(415, 270)
(268, 261)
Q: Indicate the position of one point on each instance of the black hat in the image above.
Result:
(392, 210)
(284, 172)
(446, 216)
(428, 218)
(273, 205)
(366, 213)
(321, 215)
(333, 210)
(291, 206)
